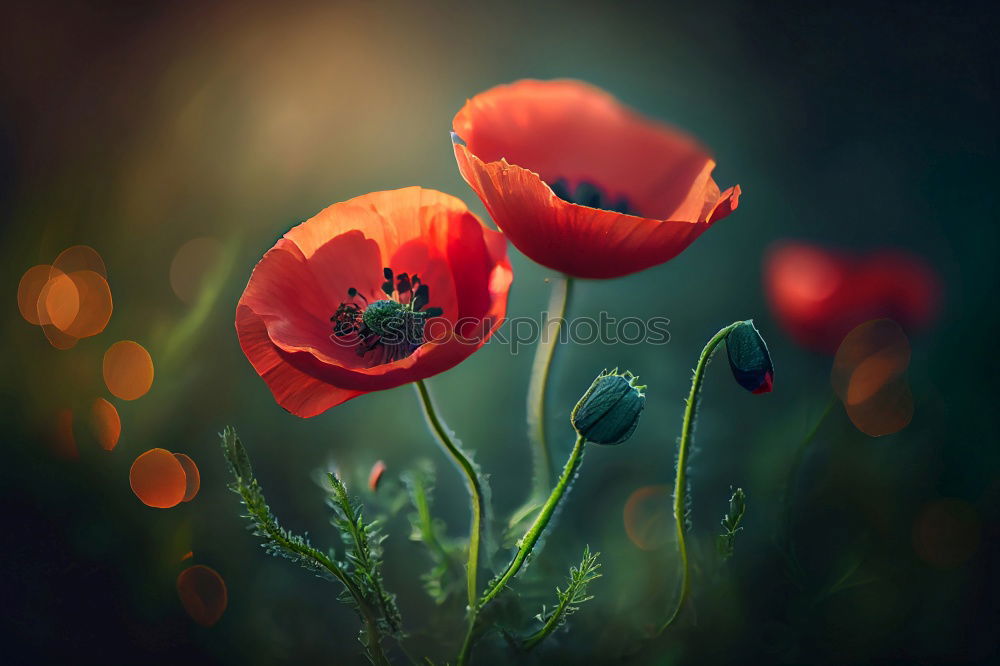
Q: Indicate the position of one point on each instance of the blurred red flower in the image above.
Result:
(372, 293)
(581, 183)
(818, 295)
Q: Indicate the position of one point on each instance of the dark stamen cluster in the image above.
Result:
(589, 194)
(392, 327)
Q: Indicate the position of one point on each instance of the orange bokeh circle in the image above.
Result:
(128, 370)
(648, 517)
(80, 258)
(192, 475)
(203, 594)
(106, 422)
(29, 289)
(869, 377)
(95, 305)
(158, 479)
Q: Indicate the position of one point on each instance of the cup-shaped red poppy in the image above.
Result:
(372, 293)
(818, 295)
(581, 183)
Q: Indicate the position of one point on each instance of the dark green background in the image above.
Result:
(136, 128)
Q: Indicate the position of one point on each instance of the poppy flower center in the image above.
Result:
(589, 194)
(391, 328)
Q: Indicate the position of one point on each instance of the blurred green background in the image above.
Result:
(137, 127)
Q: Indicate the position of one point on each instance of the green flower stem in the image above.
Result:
(525, 545)
(444, 436)
(534, 533)
(680, 483)
(541, 456)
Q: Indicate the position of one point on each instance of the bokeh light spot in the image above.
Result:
(95, 305)
(57, 338)
(128, 370)
(59, 302)
(375, 476)
(807, 276)
(191, 265)
(888, 411)
(868, 376)
(191, 474)
(106, 422)
(203, 594)
(158, 479)
(80, 258)
(946, 533)
(648, 517)
(871, 355)
(29, 289)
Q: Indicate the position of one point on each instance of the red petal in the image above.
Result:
(576, 240)
(297, 391)
(570, 129)
(283, 316)
(296, 307)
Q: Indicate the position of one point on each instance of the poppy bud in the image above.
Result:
(749, 359)
(609, 411)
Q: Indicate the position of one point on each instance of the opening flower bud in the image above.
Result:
(749, 358)
(608, 412)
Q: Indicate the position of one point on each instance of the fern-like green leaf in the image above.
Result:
(364, 554)
(731, 523)
(278, 541)
(569, 599)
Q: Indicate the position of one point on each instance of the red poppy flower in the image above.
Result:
(581, 183)
(819, 295)
(372, 293)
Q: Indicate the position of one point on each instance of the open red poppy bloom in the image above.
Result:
(819, 295)
(581, 183)
(372, 293)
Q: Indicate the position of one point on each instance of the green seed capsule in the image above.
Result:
(608, 412)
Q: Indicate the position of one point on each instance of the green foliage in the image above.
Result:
(364, 555)
(277, 540)
(359, 574)
(731, 523)
(532, 537)
(445, 577)
(569, 599)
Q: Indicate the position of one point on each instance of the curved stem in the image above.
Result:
(534, 533)
(550, 625)
(544, 351)
(444, 436)
(680, 483)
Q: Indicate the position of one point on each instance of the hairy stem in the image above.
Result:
(537, 388)
(550, 625)
(680, 483)
(445, 438)
(534, 533)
